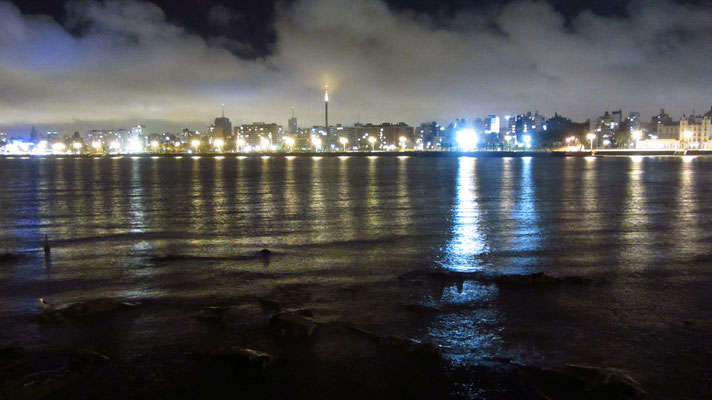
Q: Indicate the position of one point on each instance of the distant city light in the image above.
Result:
(466, 139)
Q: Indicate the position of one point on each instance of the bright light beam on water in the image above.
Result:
(467, 243)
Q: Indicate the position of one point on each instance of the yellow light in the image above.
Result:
(688, 134)
(289, 141)
(219, 143)
(372, 139)
(96, 144)
(195, 143)
(58, 147)
(77, 145)
(343, 140)
(154, 144)
(177, 144)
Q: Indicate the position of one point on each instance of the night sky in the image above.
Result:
(75, 65)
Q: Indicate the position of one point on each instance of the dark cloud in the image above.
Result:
(106, 64)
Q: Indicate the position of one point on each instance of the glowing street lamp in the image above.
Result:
(403, 141)
(343, 142)
(527, 141)
(372, 140)
(688, 136)
(466, 139)
(196, 144)
(636, 135)
(289, 142)
(591, 137)
(58, 147)
(77, 146)
(96, 145)
(218, 143)
(264, 143)
(241, 143)
(115, 146)
(154, 144)
(316, 142)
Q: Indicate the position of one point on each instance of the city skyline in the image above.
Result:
(100, 65)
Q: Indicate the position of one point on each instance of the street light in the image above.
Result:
(58, 147)
(219, 143)
(591, 137)
(372, 140)
(289, 141)
(317, 142)
(195, 143)
(637, 135)
(154, 144)
(96, 145)
(241, 143)
(77, 146)
(264, 143)
(688, 136)
(115, 146)
(343, 142)
(402, 141)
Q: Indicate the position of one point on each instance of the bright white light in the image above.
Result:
(343, 141)
(688, 159)
(115, 145)
(637, 134)
(154, 144)
(240, 142)
(289, 141)
(134, 146)
(687, 134)
(591, 136)
(317, 142)
(527, 140)
(466, 139)
(96, 144)
(219, 143)
(77, 145)
(636, 159)
(264, 142)
(195, 143)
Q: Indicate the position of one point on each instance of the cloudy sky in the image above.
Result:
(82, 64)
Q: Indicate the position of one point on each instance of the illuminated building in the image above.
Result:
(253, 134)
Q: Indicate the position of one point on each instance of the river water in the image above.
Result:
(346, 231)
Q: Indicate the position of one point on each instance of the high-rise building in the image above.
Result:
(292, 124)
(260, 134)
(222, 128)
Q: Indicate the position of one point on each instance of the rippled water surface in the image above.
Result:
(346, 232)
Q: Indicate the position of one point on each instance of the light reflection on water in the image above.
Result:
(463, 251)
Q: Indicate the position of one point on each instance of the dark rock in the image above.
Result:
(581, 382)
(410, 347)
(292, 324)
(688, 322)
(87, 309)
(265, 253)
(212, 314)
(539, 279)
(270, 307)
(8, 257)
(417, 307)
(241, 357)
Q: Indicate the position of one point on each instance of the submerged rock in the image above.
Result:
(270, 307)
(8, 257)
(87, 309)
(294, 324)
(583, 382)
(240, 357)
(538, 279)
(409, 347)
